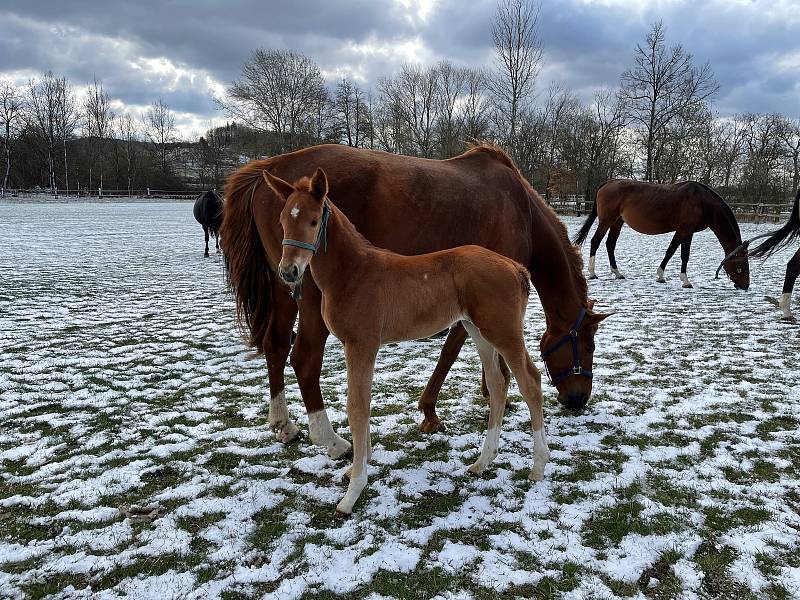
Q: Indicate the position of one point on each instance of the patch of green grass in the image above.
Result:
(779, 423)
(714, 561)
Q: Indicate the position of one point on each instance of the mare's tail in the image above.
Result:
(587, 225)
(246, 266)
(783, 236)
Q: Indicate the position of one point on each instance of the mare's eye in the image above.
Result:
(314, 223)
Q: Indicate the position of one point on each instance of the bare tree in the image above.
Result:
(410, 100)
(159, 129)
(98, 118)
(790, 136)
(663, 84)
(11, 120)
(448, 127)
(350, 109)
(279, 91)
(518, 58)
(475, 115)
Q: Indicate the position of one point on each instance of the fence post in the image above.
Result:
(148, 192)
(99, 193)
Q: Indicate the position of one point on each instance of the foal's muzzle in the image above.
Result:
(290, 274)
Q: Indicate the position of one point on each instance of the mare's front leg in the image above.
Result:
(673, 246)
(611, 245)
(427, 402)
(598, 236)
(307, 355)
(205, 230)
(216, 241)
(792, 272)
(686, 246)
(360, 368)
(276, 345)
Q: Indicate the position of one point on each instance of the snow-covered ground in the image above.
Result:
(136, 456)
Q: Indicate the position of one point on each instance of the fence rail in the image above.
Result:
(103, 193)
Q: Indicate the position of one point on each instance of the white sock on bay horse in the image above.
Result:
(592, 274)
(786, 305)
(541, 455)
(660, 275)
(617, 274)
(685, 280)
(322, 434)
(279, 420)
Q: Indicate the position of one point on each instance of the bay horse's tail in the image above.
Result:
(587, 225)
(246, 266)
(783, 236)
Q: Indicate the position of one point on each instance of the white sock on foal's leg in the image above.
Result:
(685, 280)
(786, 305)
(541, 455)
(322, 434)
(489, 451)
(279, 420)
(592, 274)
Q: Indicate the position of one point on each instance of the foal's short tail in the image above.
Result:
(246, 265)
(783, 236)
(587, 225)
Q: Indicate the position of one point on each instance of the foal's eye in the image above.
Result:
(313, 222)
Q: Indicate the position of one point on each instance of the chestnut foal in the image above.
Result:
(372, 297)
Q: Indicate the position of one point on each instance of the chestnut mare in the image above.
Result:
(372, 297)
(656, 208)
(778, 240)
(410, 206)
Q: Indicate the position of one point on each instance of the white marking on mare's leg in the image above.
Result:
(295, 212)
(285, 430)
(592, 274)
(541, 455)
(660, 275)
(685, 280)
(617, 274)
(786, 305)
(322, 434)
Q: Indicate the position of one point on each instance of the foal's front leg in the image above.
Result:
(360, 367)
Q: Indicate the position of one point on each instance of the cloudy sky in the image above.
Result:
(188, 51)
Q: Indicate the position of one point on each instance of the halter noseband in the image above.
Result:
(577, 368)
(744, 245)
(321, 240)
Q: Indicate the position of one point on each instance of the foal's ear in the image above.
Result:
(319, 184)
(284, 189)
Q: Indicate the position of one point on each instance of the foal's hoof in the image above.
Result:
(789, 319)
(661, 280)
(340, 449)
(592, 277)
(287, 432)
(340, 514)
(431, 425)
(536, 475)
(475, 469)
(687, 286)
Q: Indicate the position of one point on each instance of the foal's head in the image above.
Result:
(302, 218)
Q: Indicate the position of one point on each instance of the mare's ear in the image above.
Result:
(282, 188)
(595, 318)
(319, 184)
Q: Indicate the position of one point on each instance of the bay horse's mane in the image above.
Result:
(574, 256)
(726, 208)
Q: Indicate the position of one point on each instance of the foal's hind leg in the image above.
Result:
(498, 389)
(611, 245)
(686, 246)
(673, 246)
(792, 272)
(595, 244)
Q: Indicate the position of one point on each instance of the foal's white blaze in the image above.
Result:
(541, 455)
(295, 212)
(321, 433)
(279, 420)
(786, 304)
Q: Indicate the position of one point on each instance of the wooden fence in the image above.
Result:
(103, 193)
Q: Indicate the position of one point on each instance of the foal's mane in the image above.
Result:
(572, 253)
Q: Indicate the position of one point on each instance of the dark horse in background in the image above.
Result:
(208, 212)
(778, 240)
(410, 206)
(656, 208)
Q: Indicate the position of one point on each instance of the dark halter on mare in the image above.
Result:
(322, 239)
(744, 245)
(577, 368)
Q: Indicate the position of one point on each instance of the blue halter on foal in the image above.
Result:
(321, 240)
(577, 368)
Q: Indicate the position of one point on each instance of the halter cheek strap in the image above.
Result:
(571, 337)
(321, 240)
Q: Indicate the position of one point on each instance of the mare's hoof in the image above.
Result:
(342, 515)
(592, 277)
(287, 433)
(661, 280)
(619, 276)
(431, 426)
(205, 255)
(535, 475)
(687, 286)
(789, 319)
(341, 453)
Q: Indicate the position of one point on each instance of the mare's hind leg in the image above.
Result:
(686, 246)
(216, 241)
(792, 272)
(673, 246)
(611, 245)
(205, 230)
(427, 402)
(498, 389)
(276, 345)
(595, 244)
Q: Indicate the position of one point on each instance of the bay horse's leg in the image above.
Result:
(595, 244)
(498, 389)
(792, 272)
(306, 357)
(360, 368)
(686, 246)
(216, 241)
(205, 230)
(427, 402)
(277, 343)
(611, 245)
(673, 246)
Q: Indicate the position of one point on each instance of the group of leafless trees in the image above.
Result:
(657, 124)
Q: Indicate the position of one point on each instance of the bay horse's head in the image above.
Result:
(568, 358)
(303, 219)
(737, 266)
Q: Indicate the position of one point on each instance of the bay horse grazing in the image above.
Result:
(372, 297)
(778, 240)
(656, 208)
(208, 212)
(410, 206)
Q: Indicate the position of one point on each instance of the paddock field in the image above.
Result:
(124, 383)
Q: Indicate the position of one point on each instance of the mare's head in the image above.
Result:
(568, 357)
(302, 219)
(737, 268)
